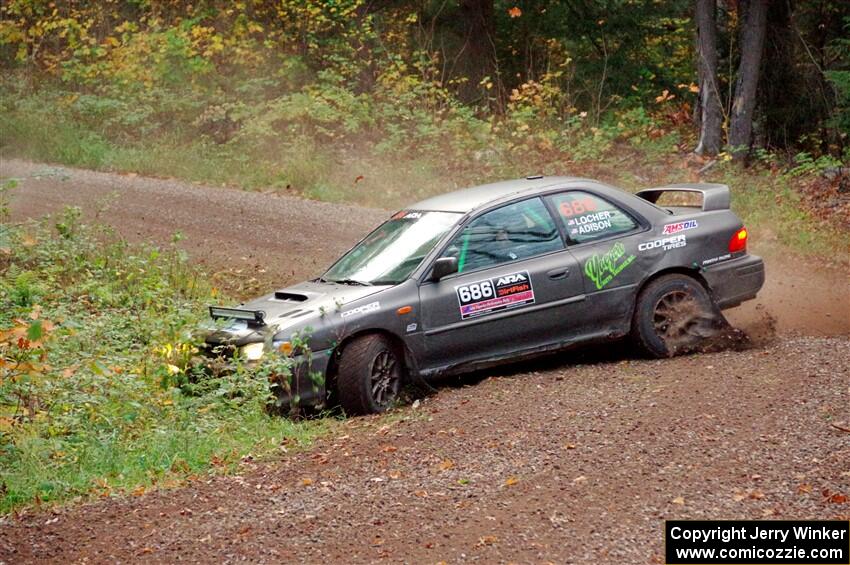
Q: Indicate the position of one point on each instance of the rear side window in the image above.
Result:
(588, 217)
(510, 233)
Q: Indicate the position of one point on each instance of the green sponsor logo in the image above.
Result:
(602, 269)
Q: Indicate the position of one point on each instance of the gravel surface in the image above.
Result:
(578, 458)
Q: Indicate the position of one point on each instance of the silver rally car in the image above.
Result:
(499, 272)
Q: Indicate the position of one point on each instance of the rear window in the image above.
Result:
(587, 217)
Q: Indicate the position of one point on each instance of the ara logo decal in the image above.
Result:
(510, 279)
(494, 295)
(602, 269)
(679, 226)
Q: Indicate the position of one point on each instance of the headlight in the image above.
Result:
(284, 347)
(253, 351)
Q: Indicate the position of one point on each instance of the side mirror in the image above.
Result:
(443, 266)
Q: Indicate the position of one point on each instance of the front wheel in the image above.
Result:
(369, 375)
(674, 315)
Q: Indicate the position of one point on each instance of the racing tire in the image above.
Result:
(369, 375)
(674, 315)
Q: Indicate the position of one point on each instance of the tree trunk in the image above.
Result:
(754, 24)
(711, 114)
(479, 46)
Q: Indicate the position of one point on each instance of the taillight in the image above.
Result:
(738, 241)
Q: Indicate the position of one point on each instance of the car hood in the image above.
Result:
(289, 306)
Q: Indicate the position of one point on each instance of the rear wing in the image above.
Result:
(714, 196)
(253, 316)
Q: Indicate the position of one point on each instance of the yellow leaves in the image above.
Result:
(446, 464)
(679, 500)
(665, 96)
(306, 482)
(511, 481)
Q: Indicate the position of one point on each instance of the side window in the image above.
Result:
(588, 217)
(510, 233)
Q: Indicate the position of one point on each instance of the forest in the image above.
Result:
(309, 96)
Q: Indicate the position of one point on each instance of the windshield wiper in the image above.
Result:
(351, 282)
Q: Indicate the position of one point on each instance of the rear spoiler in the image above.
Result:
(714, 196)
(220, 312)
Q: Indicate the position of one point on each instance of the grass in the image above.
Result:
(95, 351)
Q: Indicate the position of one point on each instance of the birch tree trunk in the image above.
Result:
(711, 114)
(754, 24)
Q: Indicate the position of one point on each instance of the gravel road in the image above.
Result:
(577, 458)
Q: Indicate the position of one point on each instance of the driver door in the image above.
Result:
(517, 288)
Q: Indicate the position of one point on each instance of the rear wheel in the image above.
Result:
(369, 375)
(674, 315)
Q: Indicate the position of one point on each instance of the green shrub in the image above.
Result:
(96, 392)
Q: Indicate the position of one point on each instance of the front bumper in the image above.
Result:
(734, 281)
(307, 385)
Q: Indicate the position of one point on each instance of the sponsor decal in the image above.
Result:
(590, 223)
(495, 294)
(602, 269)
(717, 259)
(666, 243)
(411, 327)
(570, 208)
(679, 226)
(407, 214)
(365, 309)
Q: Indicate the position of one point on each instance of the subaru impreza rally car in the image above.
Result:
(499, 272)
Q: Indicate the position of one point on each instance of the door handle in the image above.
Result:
(561, 273)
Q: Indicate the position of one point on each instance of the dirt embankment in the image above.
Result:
(572, 459)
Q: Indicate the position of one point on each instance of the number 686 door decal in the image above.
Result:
(495, 294)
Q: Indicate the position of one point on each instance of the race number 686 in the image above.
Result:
(475, 291)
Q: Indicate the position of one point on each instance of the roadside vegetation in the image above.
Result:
(97, 395)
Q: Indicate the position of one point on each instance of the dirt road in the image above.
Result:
(574, 459)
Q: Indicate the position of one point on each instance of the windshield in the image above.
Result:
(390, 253)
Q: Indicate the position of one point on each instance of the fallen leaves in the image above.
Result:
(511, 481)
(486, 540)
(834, 497)
(680, 500)
(446, 464)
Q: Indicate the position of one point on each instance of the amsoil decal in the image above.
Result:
(679, 226)
(602, 269)
(590, 223)
(494, 295)
(666, 243)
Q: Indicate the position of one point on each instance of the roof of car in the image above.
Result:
(469, 199)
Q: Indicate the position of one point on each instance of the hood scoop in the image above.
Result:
(284, 296)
